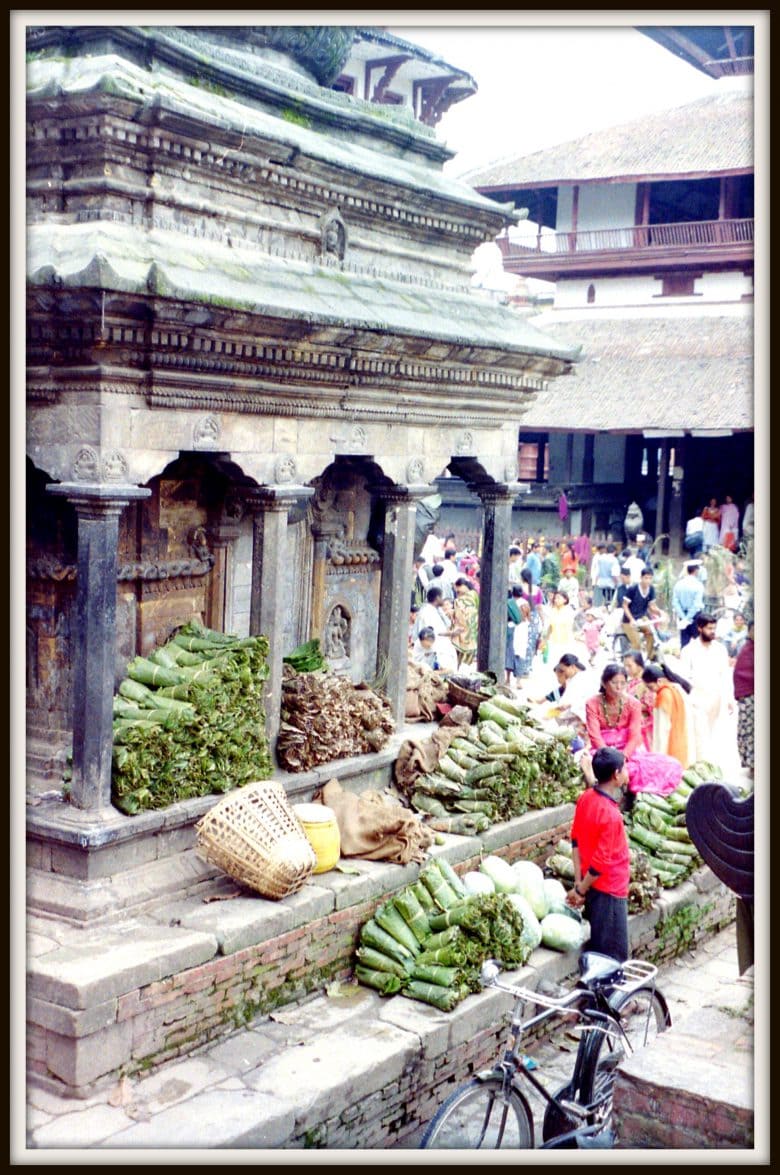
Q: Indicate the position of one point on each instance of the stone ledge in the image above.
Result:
(693, 1089)
(99, 969)
(54, 821)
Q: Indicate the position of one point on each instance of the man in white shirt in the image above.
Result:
(704, 662)
(515, 565)
(635, 566)
(430, 615)
(604, 575)
(687, 602)
(449, 574)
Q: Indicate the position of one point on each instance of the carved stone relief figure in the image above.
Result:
(334, 237)
(337, 634)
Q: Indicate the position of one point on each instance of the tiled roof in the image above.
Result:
(650, 373)
(710, 135)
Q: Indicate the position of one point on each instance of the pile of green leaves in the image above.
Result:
(496, 769)
(429, 941)
(307, 658)
(189, 720)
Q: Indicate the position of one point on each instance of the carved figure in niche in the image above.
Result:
(86, 465)
(115, 467)
(199, 544)
(337, 632)
(334, 237)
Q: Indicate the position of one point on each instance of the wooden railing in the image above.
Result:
(688, 234)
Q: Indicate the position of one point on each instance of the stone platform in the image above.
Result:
(342, 1071)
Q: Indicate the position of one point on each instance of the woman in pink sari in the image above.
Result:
(614, 719)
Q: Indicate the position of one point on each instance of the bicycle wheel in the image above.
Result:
(643, 1015)
(480, 1115)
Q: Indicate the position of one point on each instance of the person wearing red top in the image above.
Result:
(601, 857)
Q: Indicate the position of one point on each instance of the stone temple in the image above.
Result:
(252, 344)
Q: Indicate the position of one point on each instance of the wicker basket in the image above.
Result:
(460, 696)
(256, 838)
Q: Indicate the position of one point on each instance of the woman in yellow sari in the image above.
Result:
(672, 722)
(466, 620)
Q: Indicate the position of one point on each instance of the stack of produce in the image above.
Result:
(189, 720)
(326, 717)
(498, 768)
(643, 887)
(307, 658)
(656, 825)
(540, 900)
(429, 941)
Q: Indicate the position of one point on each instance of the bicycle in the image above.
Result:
(618, 1011)
(622, 645)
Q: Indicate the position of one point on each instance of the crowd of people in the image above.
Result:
(676, 689)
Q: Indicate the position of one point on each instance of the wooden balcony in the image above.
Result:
(714, 244)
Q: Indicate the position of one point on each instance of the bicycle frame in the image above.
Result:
(601, 1020)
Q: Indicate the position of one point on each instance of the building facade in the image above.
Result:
(251, 348)
(645, 232)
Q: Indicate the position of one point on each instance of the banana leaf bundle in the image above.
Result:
(443, 998)
(383, 981)
(375, 960)
(656, 829)
(443, 965)
(408, 905)
(198, 729)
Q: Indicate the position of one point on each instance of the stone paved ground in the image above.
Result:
(210, 1099)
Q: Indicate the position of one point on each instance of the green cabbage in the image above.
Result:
(561, 933)
(555, 892)
(532, 930)
(500, 873)
(478, 882)
(529, 881)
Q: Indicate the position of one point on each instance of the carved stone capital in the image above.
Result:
(98, 501)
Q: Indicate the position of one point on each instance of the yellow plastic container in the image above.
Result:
(322, 832)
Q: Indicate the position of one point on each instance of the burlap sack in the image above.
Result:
(376, 827)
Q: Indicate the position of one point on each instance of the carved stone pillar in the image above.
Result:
(269, 506)
(497, 503)
(94, 642)
(395, 591)
(676, 502)
(220, 589)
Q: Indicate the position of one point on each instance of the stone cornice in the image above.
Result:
(254, 81)
(104, 135)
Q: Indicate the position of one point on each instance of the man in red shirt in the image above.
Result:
(601, 856)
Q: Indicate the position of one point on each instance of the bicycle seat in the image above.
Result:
(598, 969)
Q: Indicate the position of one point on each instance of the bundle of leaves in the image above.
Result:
(325, 717)
(189, 720)
(429, 941)
(496, 769)
(657, 827)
